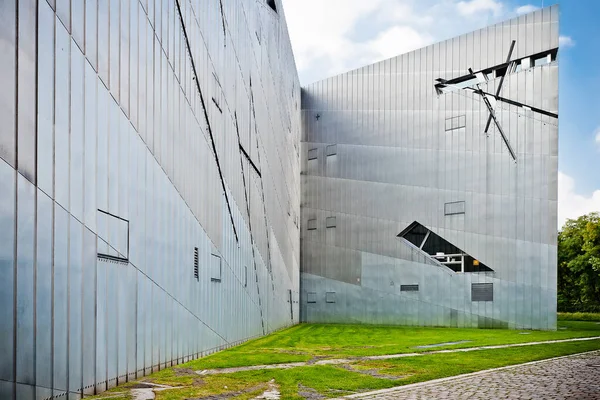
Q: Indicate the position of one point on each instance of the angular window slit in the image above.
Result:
(311, 297)
(312, 224)
(271, 3)
(440, 250)
(312, 154)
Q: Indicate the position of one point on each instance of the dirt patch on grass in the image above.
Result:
(371, 372)
(309, 393)
(230, 395)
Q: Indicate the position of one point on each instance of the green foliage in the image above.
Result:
(579, 265)
(578, 316)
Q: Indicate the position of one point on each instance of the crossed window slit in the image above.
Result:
(472, 83)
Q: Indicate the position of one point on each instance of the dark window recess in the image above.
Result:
(113, 232)
(482, 292)
(215, 273)
(442, 251)
(455, 207)
(312, 224)
(196, 269)
(271, 3)
(312, 154)
(330, 297)
(330, 222)
(245, 276)
(311, 297)
(331, 150)
(409, 288)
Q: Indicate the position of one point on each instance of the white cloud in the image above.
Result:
(479, 6)
(566, 41)
(597, 137)
(572, 205)
(333, 36)
(526, 9)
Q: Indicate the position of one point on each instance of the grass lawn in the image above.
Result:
(310, 341)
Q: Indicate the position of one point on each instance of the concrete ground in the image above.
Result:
(571, 377)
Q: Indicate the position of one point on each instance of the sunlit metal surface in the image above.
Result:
(119, 175)
(410, 139)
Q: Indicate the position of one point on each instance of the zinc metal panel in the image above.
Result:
(8, 68)
(45, 99)
(75, 304)
(43, 293)
(60, 298)
(25, 288)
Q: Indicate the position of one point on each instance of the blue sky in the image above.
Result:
(334, 36)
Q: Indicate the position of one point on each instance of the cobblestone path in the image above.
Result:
(571, 377)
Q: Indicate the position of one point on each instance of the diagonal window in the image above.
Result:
(440, 250)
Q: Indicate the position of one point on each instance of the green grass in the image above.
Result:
(303, 342)
(579, 316)
(334, 381)
(307, 341)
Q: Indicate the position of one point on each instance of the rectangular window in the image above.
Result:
(311, 297)
(245, 276)
(455, 207)
(312, 224)
(409, 288)
(331, 150)
(215, 273)
(330, 222)
(482, 292)
(330, 297)
(312, 154)
(114, 231)
(196, 268)
(454, 123)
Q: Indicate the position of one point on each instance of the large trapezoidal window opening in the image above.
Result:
(440, 250)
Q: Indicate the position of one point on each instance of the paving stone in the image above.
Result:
(572, 377)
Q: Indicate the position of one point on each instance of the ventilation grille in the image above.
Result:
(196, 270)
(409, 288)
(482, 292)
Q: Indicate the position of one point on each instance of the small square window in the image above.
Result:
(330, 297)
(215, 273)
(331, 150)
(312, 224)
(311, 297)
(330, 222)
(312, 154)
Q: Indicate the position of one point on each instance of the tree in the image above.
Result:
(579, 264)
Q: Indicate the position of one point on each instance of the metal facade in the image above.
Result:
(403, 141)
(149, 186)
